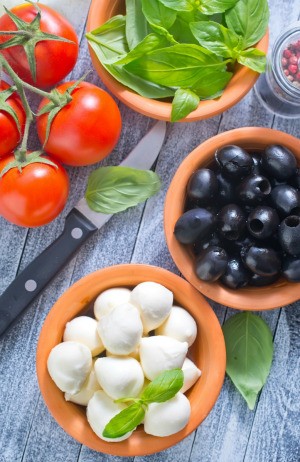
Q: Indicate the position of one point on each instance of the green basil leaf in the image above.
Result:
(177, 66)
(136, 24)
(249, 18)
(124, 422)
(149, 43)
(158, 14)
(184, 102)
(181, 28)
(164, 387)
(216, 38)
(212, 84)
(114, 189)
(179, 5)
(249, 350)
(215, 6)
(254, 59)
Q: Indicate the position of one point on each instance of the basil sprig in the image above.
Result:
(161, 389)
(249, 352)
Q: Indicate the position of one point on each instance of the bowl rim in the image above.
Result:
(240, 84)
(248, 299)
(138, 273)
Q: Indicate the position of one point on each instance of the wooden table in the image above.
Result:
(231, 432)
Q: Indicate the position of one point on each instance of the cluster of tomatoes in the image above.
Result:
(82, 132)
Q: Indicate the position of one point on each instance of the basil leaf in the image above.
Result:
(114, 189)
(180, 65)
(150, 43)
(248, 18)
(211, 84)
(179, 5)
(181, 28)
(216, 6)
(136, 24)
(249, 351)
(216, 38)
(184, 102)
(158, 14)
(124, 422)
(254, 59)
(111, 39)
(164, 387)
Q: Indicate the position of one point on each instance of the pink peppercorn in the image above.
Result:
(293, 60)
(287, 54)
(293, 68)
(284, 62)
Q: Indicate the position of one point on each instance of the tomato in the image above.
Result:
(84, 131)
(34, 196)
(9, 133)
(54, 59)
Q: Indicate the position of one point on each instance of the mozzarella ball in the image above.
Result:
(90, 386)
(121, 329)
(154, 302)
(84, 330)
(191, 374)
(160, 353)
(109, 299)
(100, 410)
(180, 325)
(164, 419)
(119, 377)
(69, 364)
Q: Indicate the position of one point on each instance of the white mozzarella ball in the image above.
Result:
(180, 325)
(69, 364)
(191, 374)
(119, 377)
(160, 353)
(100, 410)
(164, 419)
(90, 386)
(109, 299)
(121, 329)
(83, 329)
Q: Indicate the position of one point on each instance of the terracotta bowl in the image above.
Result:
(208, 352)
(240, 84)
(249, 298)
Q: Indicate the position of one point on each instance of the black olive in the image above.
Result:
(260, 281)
(202, 244)
(236, 275)
(193, 224)
(295, 180)
(231, 222)
(211, 263)
(279, 162)
(202, 186)
(234, 161)
(289, 235)
(226, 189)
(263, 222)
(286, 199)
(262, 260)
(291, 268)
(253, 189)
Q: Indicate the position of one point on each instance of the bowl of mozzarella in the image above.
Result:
(112, 334)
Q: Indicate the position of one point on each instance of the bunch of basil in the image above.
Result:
(183, 49)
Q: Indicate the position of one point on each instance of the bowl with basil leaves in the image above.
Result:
(181, 60)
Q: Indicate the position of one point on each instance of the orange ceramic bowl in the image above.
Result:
(240, 84)
(249, 298)
(208, 352)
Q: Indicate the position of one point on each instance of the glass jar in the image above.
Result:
(279, 88)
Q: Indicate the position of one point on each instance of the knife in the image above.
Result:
(81, 223)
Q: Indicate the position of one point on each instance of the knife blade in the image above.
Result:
(81, 223)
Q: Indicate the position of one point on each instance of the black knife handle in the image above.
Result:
(34, 278)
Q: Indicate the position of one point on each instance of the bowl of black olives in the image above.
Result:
(232, 218)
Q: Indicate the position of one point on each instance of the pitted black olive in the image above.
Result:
(231, 222)
(260, 281)
(226, 189)
(286, 200)
(211, 263)
(202, 244)
(234, 161)
(253, 189)
(279, 162)
(291, 268)
(262, 260)
(289, 235)
(202, 186)
(263, 222)
(194, 224)
(236, 275)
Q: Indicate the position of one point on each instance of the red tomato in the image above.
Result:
(9, 133)
(84, 131)
(34, 196)
(54, 59)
